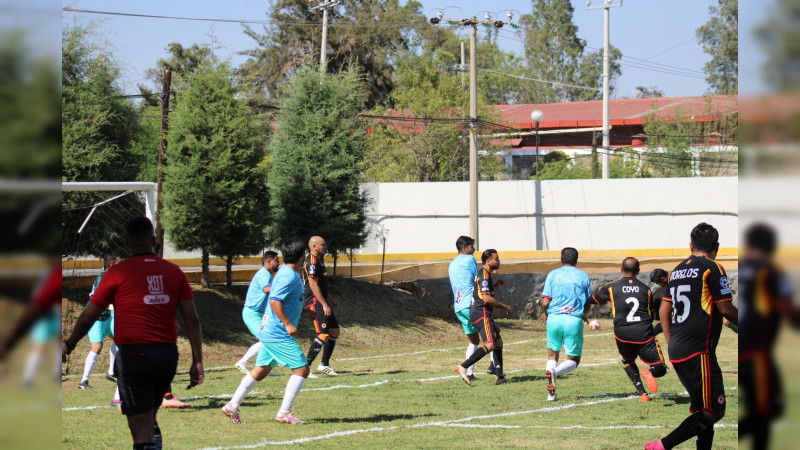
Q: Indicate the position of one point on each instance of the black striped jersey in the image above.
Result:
(761, 285)
(483, 285)
(314, 267)
(695, 286)
(631, 306)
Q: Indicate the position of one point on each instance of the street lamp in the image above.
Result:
(537, 115)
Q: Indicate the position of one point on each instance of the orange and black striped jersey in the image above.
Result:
(695, 286)
(761, 286)
(314, 267)
(631, 307)
(483, 285)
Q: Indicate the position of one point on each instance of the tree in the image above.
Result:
(369, 34)
(215, 193)
(778, 37)
(554, 52)
(648, 92)
(720, 39)
(317, 155)
(557, 165)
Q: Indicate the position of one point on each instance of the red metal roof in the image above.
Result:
(628, 111)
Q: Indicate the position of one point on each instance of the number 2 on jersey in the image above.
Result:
(634, 302)
(683, 300)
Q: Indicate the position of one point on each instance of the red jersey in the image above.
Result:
(145, 291)
(48, 294)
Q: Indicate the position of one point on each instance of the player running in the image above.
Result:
(462, 271)
(699, 290)
(104, 326)
(483, 303)
(255, 304)
(319, 305)
(631, 306)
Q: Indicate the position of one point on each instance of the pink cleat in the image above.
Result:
(655, 445)
(232, 414)
(289, 418)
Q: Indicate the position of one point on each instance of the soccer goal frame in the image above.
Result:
(149, 190)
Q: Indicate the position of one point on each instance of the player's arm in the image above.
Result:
(729, 312)
(277, 308)
(586, 308)
(490, 300)
(313, 283)
(665, 313)
(194, 331)
(267, 289)
(82, 326)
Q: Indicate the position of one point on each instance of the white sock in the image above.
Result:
(550, 365)
(292, 389)
(247, 384)
(566, 367)
(491, 355)
(34, 359)
(116, 395)
(251, 352)
(112, 357)
(470, 350)
(91, 360)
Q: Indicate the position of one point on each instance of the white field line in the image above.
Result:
(581, 427)
(181, 372)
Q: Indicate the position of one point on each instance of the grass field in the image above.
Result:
(397, 389)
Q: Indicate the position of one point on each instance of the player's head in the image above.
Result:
(463, 243)
(293, 250)
(660, 277)
(630, 267)
(270, 260)
(317, 246)
(140, 235)
(760, 239)
(491, 257)
(705, 239)
(110, 259)
(569, 256)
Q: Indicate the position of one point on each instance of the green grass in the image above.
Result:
(382, 402)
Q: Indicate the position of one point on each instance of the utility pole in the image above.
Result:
(473, 108)
(606, 15)
(325, 6)
(162, 150)
(463, 64)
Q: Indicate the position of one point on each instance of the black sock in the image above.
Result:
(633, 373)
(759, 429)
(169, 395)
(479, 353)
(144, 446)
(313, 351)
(657, 328)
(690, 427)
(157, 439)
(498, 362)
(327, 351)
(706, 438)
(659, 370)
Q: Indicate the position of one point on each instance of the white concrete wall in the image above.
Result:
(549, 215)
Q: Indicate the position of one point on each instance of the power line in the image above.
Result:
(554, 83)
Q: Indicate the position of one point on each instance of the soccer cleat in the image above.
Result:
(110, 377)
(552, 397)
(173, 402)
(117, 403)
(551, 382)
(242, 367)
(232, 414)
(649, 379)
(311, 374)
(655, 445)
(501, 380)
(84, 385)
(462, 372)
(327, 370)
(472, 377)
(644, 398)
(490, 369)
(289, 418)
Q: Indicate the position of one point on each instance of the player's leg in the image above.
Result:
(96, 339)
(555, 340)
(628, 353)
(650, 353)
(252, 320)
(264, 363)
(573, 344)
(488, 345)
(289, 354)
(317, 315)
(331, 327)
(140, 368)
(112, 357)
(471, 332)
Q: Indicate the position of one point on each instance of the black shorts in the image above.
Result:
(145, 372)
(702, 378)
(649, 352)
(321, 323)
(486, 327)
(761, 383)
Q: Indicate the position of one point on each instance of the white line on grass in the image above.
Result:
(580, 427)
(307, 439)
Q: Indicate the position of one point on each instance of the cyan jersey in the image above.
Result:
(287, 288)
(256, 298)
(462, 271)
(568, 288)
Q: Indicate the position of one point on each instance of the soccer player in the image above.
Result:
(256, 304)
(661, 278)
(566, 291)
(146, 291)
(104, 326)
(320, 306)
(765, 301)
(631, 304)
(278, 344)
(483, 303)
(463, 271)
(699, 290)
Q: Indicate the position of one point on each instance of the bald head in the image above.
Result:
(630, 267)
(317, 246)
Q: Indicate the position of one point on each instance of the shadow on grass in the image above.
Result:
(374, 419)
(524, 378)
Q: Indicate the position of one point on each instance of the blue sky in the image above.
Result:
(657, 31)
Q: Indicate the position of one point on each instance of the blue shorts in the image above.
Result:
(252, 319)
(463, 317)
(567, 330)
(286, 353)
(46, 328)
(100, 329)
